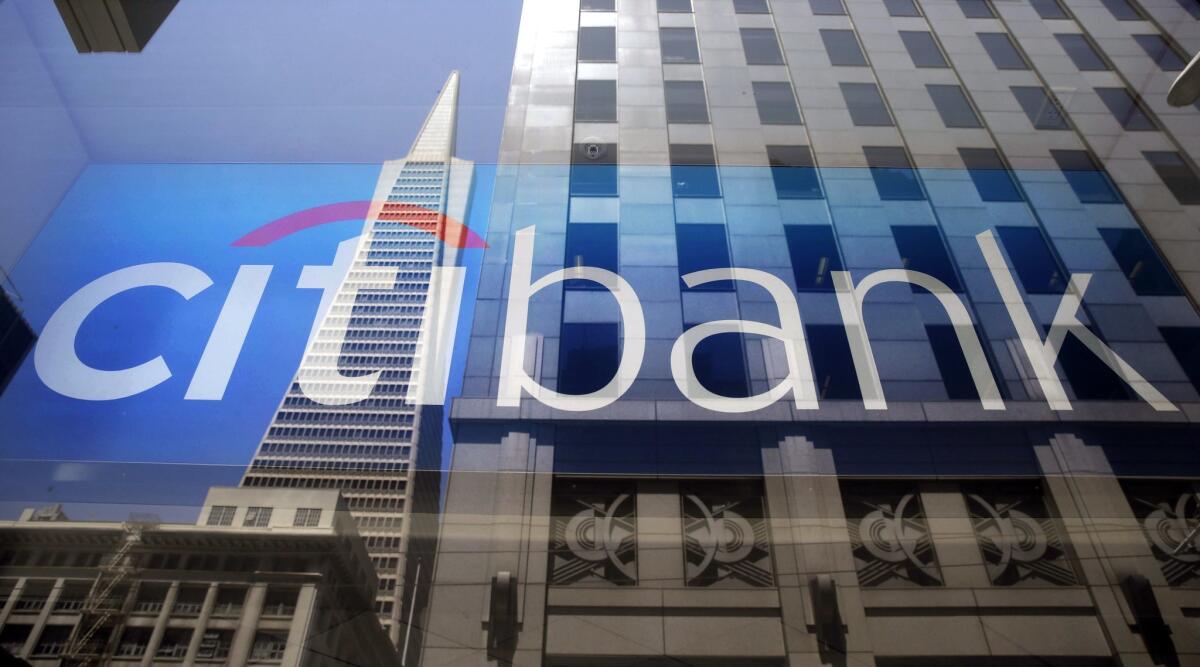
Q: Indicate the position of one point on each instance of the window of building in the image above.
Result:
(598, 5)
(307, 517)
(1043, 111)
(679, 45)
(1050, 9)
(1139, 262)
(685, 102)
(1090, 378)
(843, 48)
(720, 364)
(993, 180)
(1086, 177)
(827, 7)
(761, 46)
(700, 247)
(892, 171)
(1123, 10)
(923, 48)
(596, 101)
(1185, 345)
(952, 105)
(976, 9)
(1128, 110)
(598, 44)
(833, 365)
(1192, 7)
(866, 105)
(675, 6)
(814, 253)
(1001, 49)
(1082, 52)
(776, 103)
(901, 8)
(794, 172)
(257, 517)
(921, 249)
(221, 515)
(694, 171)
(587, 356)
(1162, 52)
(751, 7)
(590, 244)
(1176, 174)
(594, 170)
(1032, 259)
(951, 362)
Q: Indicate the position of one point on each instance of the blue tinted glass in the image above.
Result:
(1185, 345)
(1090, 378)
(921, 249)
(1085, 177)
(590, 244)
(793, 172)
(1031, 258)
(952, 362)
(703, 247)
(814, 254)
(694, 171)
(594, 170)
(1139, 262)
(720, 364)
(893, 174)
(991, 176)
(587, 356)
(833, 366)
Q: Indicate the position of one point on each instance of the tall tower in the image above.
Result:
(349, 420)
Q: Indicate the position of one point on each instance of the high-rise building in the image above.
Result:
(807, 461)
(350, 420)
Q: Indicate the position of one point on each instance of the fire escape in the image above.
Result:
(108, 602)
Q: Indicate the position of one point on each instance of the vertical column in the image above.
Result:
(210, 601)
(953, 535)
(13, 596)
(160, 624)
(243, 637)
(36, 632)
(306, 603)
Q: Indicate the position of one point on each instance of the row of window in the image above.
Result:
(349, 484)
(295, 464)
(378, 451)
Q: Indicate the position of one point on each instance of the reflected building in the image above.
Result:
(906, 510)
(16, 338)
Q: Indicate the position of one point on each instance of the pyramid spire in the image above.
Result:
(435, 141)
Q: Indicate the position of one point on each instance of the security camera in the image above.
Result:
(593, 151)
(1186, 88)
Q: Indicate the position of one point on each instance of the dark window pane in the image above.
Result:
(992, 177)
(1168, 59)
(1050, 9)
(922, 48)
(1085, 177)
(901, 8)
(590, 244)
(679, 45)
(921, 249)
(598, 5)
(1081, 51)
(751, 7)
(776, 104)
(833, 366)
(1003, 52)
(953, 106)
(976, 9)
(1041, 109)
(1090, 378)
(587, 356)
(694, 171)
(14, 345)
(1176, 175)
(1192, 7)
(893, 174)
(596, 101)
(1139, 262)
(842, 47)
(720, 364)
(594, 170)
(674, 5)
(866, 104)
(794, 172)
(703, 247)
(1185, 345)
(952, 362)
(814, 254)
(1123, 10)
(827, 7)
(1128, 111)
(1031, 257)
(685, 102)
(598, 44)
(761, 46)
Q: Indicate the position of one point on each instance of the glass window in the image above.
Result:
(1139, 262)
(1162, 52)
(761, 46)
(598, 5)
(751, 7)
(865, 104)
(1043, 111)
(594, 170)
(991, 176)
(1192, 7)
(588, 355)
(257, 517)
(1082, 52)
(951, 362)
(833, 365)
(675, 5)
(590, 244)
(221, 515)
(694, 171)
(814, 254)
(893, 174)
(976, 9)
(1090, 378)
(1086, 177)
(1035, 265)
(1128, 111)
(923, 48)
(1185, 345)
(596, 101)
(842, 47)
(685, 102)
(700, 247)
(1176, 175)
(953, 106)
(1050, 9)
(794, 172)
(598, 45)
(679, 45)
(720, 364)
(307, 517)
(776, 104)
(827, 7)
(1003, 52)
(901, 8)
(1123, 10)
(921, 249)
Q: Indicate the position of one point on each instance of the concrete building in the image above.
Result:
(273, 576)
(909, 513)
